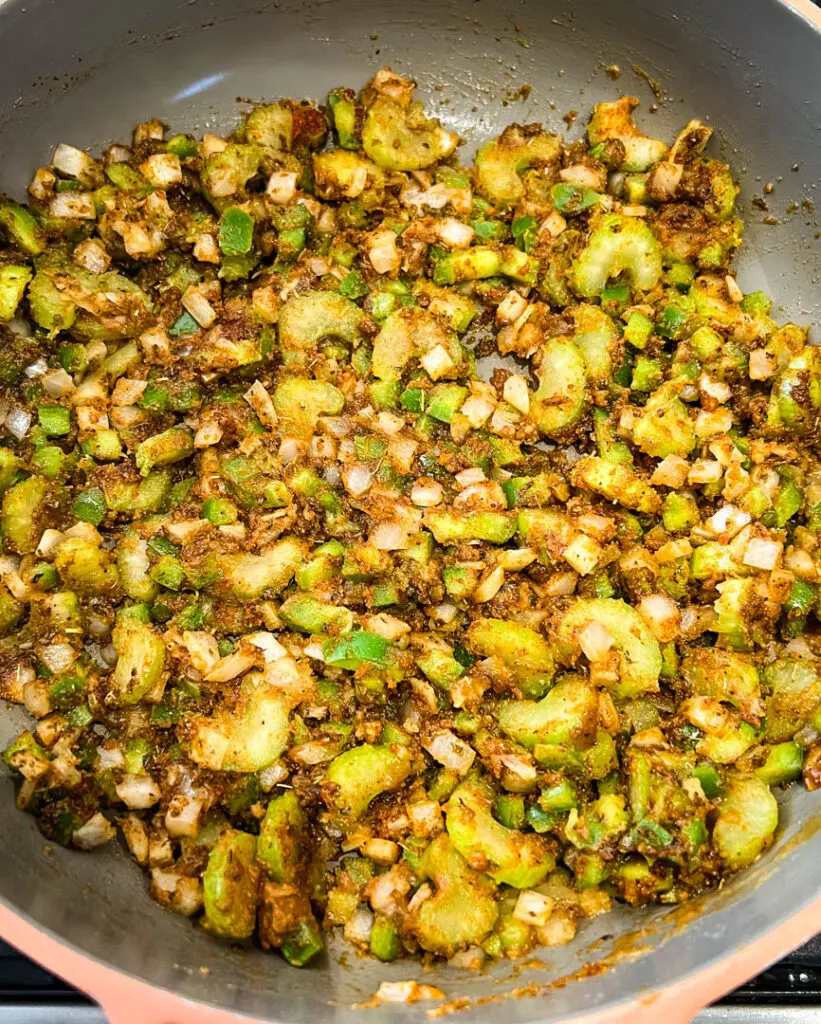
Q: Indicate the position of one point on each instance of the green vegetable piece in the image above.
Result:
(647, 374)
(140, 661)
(225, 174)
(183, 146)
(614, 120)
(89, 506)
(501, 162)
(524, 231)
(22, 228)
(306, 319)
(220, 511)
(783, 764)
(342, 108)
(246, 737)
(481, 261)
(570, 199)
(618, 245)
(787, 503)
(515, 858)
(664, 427)
(796, 394)
(638, 329)
(183, 325)
(558, 402)
(353, 286)
(561, 797)
(132, 568)
(524, 652)
(509, 810)
(247, 576)
(609, 448)
(149, 495)
(747, 819)
(26, 756)
(104, 445)
(462, 911)
(680, 512)
(795, 692)
(709, 779)
(168, 572)
(13, 281)
(566, 716)
(236, 231)
(360, 774)
(55, 420)
(172, 445)
(300, 401)
(445, 401)
(354, 649)
(229, 885)
(438, 663)
(26, 513)
(403, 139)
(308, 614)
(640, 655)
(283, 843)
(450, 527)
(724, 675)
(48, 460)
(385, 942)
(410, 334)
(615, 482)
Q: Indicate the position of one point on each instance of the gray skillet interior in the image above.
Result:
(84, 71)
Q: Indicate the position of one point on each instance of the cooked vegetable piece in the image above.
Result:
(360, 774)
(747, 819)
(230, 886)
(462, 910)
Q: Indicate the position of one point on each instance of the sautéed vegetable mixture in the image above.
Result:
(419, 549)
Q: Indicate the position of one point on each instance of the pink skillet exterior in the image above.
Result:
(126, 1000)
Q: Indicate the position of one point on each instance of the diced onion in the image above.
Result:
(57, 383)
(138, 792)
(389, 537)
(97, 831)
(662, 616)
(451, 751)
(110, 757)
(533, 908)
(289, 450)
(359, 927)
(454, 233)
(762, 553)
(595, 640)
(18, 422)
(357, 480)
(77, 205)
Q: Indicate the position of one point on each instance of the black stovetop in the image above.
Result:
(787, 993)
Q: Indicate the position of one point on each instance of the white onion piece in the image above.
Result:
(18, 422)
(110, 757)
(57, 383)
(289, 450)
(96, 831)
(36, 369)
(138, 792)
(389, 537)
(357, 480)
(450, 751)
(359, 926)
(58, 657)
